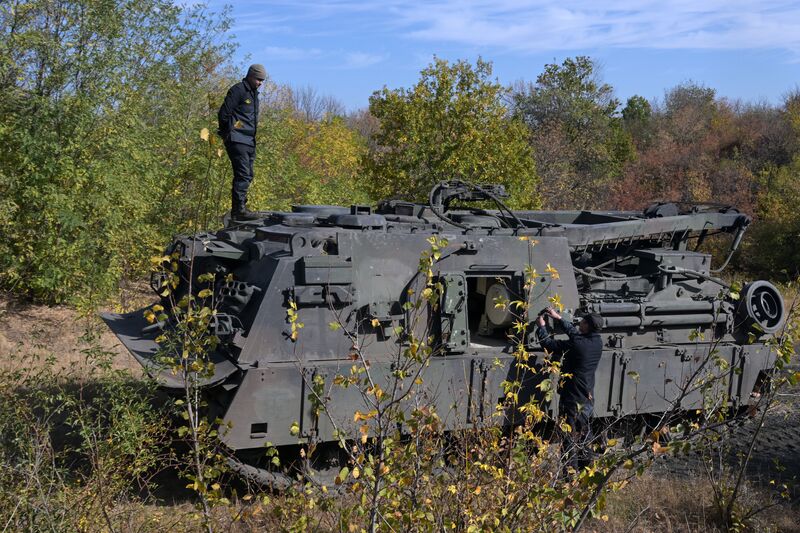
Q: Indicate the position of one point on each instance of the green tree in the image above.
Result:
(690, 111)
(451, 124)
(302, 160)
(771, 247)
(575, 131)
(100, 152)
(637, 118)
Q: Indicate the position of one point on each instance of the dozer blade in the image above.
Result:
(138, 336)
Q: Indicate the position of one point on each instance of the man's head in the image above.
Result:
(590, 323)
(256, 75)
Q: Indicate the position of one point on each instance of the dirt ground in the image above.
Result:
(58, 331)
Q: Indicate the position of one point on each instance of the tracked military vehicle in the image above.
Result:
(659, 296)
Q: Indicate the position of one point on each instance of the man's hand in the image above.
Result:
(552, 312)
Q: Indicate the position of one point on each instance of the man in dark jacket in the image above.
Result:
(579, 357)
(238, 123)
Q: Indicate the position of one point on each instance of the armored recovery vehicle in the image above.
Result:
(353, 266)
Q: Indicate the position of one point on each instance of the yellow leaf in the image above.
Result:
(552, 271)
(375, 322)
(658, 449)
(364, 416)
(204, 134)
(556, 301)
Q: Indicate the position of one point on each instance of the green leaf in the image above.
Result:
(343, 473)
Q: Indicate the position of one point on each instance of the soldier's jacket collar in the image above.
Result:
(248, 86)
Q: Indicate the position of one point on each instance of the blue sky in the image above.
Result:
(348, 49)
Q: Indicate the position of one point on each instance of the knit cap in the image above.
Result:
(257, 71)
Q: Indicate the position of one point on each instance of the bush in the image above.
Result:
(75, 449)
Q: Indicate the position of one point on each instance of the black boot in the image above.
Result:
(240, 212)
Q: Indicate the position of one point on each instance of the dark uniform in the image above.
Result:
(579, 356)
(238, 123)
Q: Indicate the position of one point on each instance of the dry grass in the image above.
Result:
(659, 503)
(54, 331)
(650, 504)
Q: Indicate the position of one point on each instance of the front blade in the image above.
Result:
(138, 336)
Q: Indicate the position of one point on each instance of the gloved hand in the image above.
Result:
(553, 313)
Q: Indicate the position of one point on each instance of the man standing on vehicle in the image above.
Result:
(238, 123)
(579, 357)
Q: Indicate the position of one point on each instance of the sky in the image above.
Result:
(347, 49)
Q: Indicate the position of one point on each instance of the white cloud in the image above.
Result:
(263, 21)
(580, 24)
(283, 53)
(336, 58)
(539, 25)
(356, 60)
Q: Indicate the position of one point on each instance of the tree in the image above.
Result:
(693, 148)
(303, 160)
(314, 107)
(575, 131)
(772, 247)
(637, 119)
(99, 144)
(451, 124)
(690, 109)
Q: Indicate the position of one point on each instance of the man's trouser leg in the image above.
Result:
(242, 157)
(576, 445)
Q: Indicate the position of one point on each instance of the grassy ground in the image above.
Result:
(54, 331)
(661, 503)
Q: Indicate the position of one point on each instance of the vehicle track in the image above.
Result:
(776, 454)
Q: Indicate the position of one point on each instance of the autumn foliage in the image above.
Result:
(107, 144)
